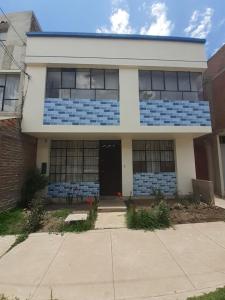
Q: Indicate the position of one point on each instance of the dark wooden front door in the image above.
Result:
(110, 168)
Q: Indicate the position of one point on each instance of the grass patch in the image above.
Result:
(219, 294)
(80, 226)
(149, 219)
(12, 221)
(61, 213)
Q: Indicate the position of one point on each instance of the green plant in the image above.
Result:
(12, 221)
(61, 213)
(158, 195)
(36, 215)
(149, 219)
(35, 181)
(219, 294)
(19, 239)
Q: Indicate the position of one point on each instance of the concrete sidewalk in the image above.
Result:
(117, 264)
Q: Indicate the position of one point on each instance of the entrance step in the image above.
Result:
(111, 205)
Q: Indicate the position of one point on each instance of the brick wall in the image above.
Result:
(17, 156)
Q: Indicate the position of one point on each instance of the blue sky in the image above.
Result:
(195, 18)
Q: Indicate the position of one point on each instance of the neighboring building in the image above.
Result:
(17, 151)
(115, 113)
(213, 145)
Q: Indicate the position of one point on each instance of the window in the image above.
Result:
(9, 87)
(170, 85)
(82, 84)
(153, 156)
(74, 161)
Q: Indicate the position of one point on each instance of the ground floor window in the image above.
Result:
(153, 156)
(74, 161)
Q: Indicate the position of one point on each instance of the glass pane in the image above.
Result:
(184, 81)
(150, 95)
(153, 155)
(171, 81)
(2, 79)
(52, 93)
(111, 79)
(157, 80)
(139, 156)
(166, 145)
(91, 152)
(68, 79)
(171, 95)
(139, 166)
(166, 156)
(90, 168)
(82, 94)
(64, 93)
(138, 145)
(152, 145)
(97, 79)
(1, 94)
(145, 80)
(190, 95)
(90, 177)
(196, 82)
(107, 95)
(167, 166)
(54, 79)
(153, 167)
(12, 87)
(83, 79)
(10, 105)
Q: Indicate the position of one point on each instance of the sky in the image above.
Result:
(189, 18)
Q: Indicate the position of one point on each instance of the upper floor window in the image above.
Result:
(9, 87)
(170, 85)
(82, 84)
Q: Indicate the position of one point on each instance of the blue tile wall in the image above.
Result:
(174, 113)
(145, 183)
(63, 189)
(81, 112)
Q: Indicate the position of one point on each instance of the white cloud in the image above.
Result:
(119, 23)
(200, 23)
(161, 24)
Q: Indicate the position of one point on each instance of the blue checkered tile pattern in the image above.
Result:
(174, 113)
(64, 189)
(145, 183)
(81, 112)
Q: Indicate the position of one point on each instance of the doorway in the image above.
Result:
(110, 171)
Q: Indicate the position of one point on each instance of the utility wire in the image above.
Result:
(12, 58)
(24, 43)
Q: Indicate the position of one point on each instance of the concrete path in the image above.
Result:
(5, 243)
(220, 202)
(117, 264)
(110, 220)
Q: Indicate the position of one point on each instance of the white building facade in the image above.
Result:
(115, 113)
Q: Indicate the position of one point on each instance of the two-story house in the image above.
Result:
(115, 113)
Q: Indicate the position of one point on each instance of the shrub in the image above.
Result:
(158, 195)
(36, 214)
(84, 225)
(34, 182)
(149, 219)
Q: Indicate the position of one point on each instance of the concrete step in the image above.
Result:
(111, 206)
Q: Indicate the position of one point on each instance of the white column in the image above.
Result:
(129, 99)
(185, 164)
(127, 167)
(43, 153)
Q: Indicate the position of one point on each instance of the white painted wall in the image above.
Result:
(43, 153)
(127, 166)
(185, 164)
(146, 53)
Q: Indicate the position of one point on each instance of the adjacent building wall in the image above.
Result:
(17, 156)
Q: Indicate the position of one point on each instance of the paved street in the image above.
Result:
(116, 264)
